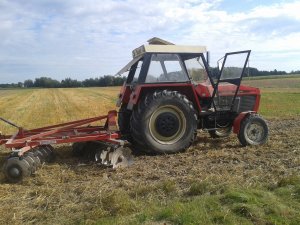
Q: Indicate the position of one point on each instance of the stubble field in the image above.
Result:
(213, 182)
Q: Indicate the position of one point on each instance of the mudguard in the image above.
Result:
(237, 121)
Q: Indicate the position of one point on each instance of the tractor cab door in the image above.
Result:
(226, 85)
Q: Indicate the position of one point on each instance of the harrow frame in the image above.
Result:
(70, 132)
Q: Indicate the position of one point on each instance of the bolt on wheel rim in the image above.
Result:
(255, 132)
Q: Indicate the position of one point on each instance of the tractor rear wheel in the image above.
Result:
(163, 122)
(253, 130)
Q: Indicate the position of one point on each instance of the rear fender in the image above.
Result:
(237, 121)
(134, 97)
(185, 89)
(124, 95)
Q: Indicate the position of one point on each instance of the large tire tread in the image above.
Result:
(138, 116)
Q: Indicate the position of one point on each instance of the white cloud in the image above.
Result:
(91, 38)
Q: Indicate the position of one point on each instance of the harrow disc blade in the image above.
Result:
(50, 153)
(116, 157)
(78, 149)
(15, 169)
(36, 159)
(31, 162)
(121, 157)
(104, 156)
(41, 154)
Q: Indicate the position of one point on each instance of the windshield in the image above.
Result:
(234, 66)
(165, 68)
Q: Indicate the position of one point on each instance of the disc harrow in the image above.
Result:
(31, 149)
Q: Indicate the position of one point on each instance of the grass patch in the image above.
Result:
(280, 104)
(118, 202)
(236, 205)
(199, 188)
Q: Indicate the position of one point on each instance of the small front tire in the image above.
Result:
(253, 131)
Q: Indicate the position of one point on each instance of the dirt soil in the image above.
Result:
(70, 189)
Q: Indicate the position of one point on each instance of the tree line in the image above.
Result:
(47, 82)
(109, 80)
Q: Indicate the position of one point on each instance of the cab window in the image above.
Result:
(165, 68)
(137, 72)
(196, 69)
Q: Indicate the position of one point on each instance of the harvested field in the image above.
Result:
(32, 108)
(215, 181)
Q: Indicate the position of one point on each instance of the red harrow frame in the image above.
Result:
(30, 148)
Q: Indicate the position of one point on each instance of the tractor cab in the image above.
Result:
(163, 64)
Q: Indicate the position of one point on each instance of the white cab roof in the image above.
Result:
(157, 45)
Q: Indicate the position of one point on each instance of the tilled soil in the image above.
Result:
(70, 187)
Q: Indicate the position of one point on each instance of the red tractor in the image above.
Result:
(171, 92)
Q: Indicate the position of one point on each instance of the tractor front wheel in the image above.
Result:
(253, 130)
(163, 122)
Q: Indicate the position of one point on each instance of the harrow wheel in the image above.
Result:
(15, 169)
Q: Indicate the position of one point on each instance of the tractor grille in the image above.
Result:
(245, 103)
(241, 103)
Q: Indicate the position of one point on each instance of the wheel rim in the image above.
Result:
(167, 124)
(254, 132)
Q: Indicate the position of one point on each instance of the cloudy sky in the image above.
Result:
(82, 39)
